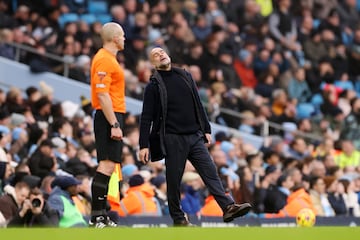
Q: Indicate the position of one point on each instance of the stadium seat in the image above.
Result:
(104, 18)
(67, 17)
(97, 7)
(88, 18)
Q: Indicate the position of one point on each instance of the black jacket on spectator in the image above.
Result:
(337, 203)
(40, 165)
(270, 200)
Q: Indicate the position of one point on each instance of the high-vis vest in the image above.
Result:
(139, 201)
(353, 160)
(113, 195)
(71, 216)
(211, 208)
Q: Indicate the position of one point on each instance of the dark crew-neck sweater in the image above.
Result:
(181, 115)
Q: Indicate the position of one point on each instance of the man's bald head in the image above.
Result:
(160, 59)
(109, 30)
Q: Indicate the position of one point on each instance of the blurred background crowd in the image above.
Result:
(292, 63)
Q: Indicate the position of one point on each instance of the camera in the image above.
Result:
(36, 202)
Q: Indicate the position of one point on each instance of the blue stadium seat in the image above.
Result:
(97, 7)
(103, 18)
(67, 17)
(88, 18)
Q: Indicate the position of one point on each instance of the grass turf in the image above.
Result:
(190, 233)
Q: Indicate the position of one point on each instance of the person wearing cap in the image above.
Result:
(174, 126)
(60, 199)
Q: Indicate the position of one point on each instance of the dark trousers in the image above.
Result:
(179, 148)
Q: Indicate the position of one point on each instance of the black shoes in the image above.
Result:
(183, 223)
(236, 210)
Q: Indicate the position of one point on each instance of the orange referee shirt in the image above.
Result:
(107, 76)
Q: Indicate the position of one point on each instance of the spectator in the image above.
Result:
(348, 13)
(35, 212)
(319, 197)
(43, 162)
(60, 199)
(42, 109)
(245, 193)
(160, 193)
(139, 199)
(81, 70)
(190, 193)
(243, 66)
(11, 202)
(349, 156)
(350, 197)
(6, 50)
(298, 88)
(350, 128)
(83, 199)
(353, 55)
(317, 168)
(268, 190)
(336, 193)
(201, 28)
(5, 172)
(298, 149)
(332, 23)
(297, 200)
(283, 26)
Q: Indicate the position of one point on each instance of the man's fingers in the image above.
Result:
(144, 158)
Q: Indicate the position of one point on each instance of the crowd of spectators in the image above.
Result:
(294, 63)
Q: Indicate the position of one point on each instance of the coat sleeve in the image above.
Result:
(56, 203)
(147, 115)
(48, 217)
(18, 221)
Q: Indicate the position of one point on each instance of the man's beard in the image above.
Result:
(164, 66)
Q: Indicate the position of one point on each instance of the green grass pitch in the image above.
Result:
(183, 233)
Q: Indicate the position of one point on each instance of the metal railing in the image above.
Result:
(267, 125)
(21, 47)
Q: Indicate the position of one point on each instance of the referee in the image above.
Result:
(108, 99)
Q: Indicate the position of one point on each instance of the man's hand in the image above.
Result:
(144, 155)
(25, 207)
(208, 138)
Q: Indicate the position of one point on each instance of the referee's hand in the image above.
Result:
(116, 134)
(144, 155)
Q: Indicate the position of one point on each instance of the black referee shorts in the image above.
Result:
(106, 147)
